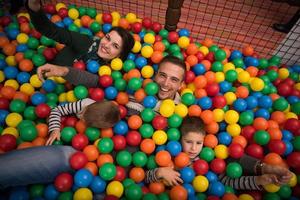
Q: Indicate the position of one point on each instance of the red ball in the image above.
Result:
(217, 165)
(200, 56)
(8, 142)
(50, 8)
(295, 92)
(4, 103)
(107, 18)
(159, 122)
(63, 182)
(277, 82)
(293, 160)
(133, 138)
(123, 111)
(189, 76)
(147, 23)
(71, 121)
(63, 12)
(261, 72)
(34, 33)
(42, 110)
(121, 174)
(235, 150)
(5, 20)
(119, 142)
(255, 151)
(49, 54)
(173, 37)
(212, 89)
(284, 89)
(200, 167)
(79, 65)
(105, 81)
(158, 38)
(219, 101)
(277, 146)
(212, 198)
(111, 197)
(78, 160)
(96, 94)
(156, 27)
(289, 81)
(248, 132)
(210, 57)
(23, 19)
(292, 125)
(79, 141)
(145, 190)
(136, 27)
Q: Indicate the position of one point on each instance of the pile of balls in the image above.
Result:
(248, 104)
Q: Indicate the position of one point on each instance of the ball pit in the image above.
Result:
(249, 105)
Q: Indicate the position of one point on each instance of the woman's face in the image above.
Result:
(110, 46)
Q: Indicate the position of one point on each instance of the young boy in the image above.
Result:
(193, 134)
(102, 114)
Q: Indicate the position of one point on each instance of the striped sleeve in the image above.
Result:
(151, 176)
(242, 183)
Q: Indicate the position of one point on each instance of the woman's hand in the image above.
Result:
(55, 135)
(169, 175)
(49, 70)
(34, 5)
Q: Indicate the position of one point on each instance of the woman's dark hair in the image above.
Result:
(128, 41)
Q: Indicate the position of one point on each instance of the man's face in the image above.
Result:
(169, 79)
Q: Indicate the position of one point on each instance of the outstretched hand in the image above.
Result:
(282, 174)
(169, 176)
(49, 70)
(55, 135)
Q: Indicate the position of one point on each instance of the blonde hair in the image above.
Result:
(104, 114)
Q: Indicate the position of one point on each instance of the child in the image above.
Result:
(193, 134)
(102, 114)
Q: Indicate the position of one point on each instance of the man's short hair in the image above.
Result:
(174, 60)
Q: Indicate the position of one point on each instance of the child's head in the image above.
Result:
(192, 136)
(104, 114)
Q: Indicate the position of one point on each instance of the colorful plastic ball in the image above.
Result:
(205, 103)
(257, 84)
(116, 64)
(149, 101)
(17, 106)
(49, 85)
(13, 119)
(121, 128)
(63, 182)
(218, 165)
(200, 167)
(133, 192)
(10, 72)
(50, 192)
(183, 42)
(199, 69)
(23, 77)
(83, 178)
(83, 194)
(277, 146)
(42, 110)
(281, 104)
(134, 84)
(187, 174)
(220, 55)
(151, 88)
(38, 98)
(115, 188)
(293, 159)
(216, 189)
(173, 37)
(67, 134)
(231, 117)
(174, 147)
(149, 38)
(207, 154)
(97, 185)
(107, 171)
(261, 137)
(105, 145)
(110, 92)
(124, 158)
(79, 141)
(234, 170)
(224, 138)
(78, 160)
(93, 66)
(8, 142)
(240, 105)
(139, 159)
(200, 183)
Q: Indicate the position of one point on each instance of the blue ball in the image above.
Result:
(240, 105)
(38, 98)
(251, 61)
(19, 193)
(190, 190)
(110, 92)
(2, 64)
(85, 31)
(251, 102)
(131, 56)
(235, 54)
(222, 126)
(225, 86)
(174, 147)
(3, 115)
(265, 102)
(160, 148)
(199, 69)
(142, 34)
(10, 72)
(149, 101)
(205, 103)
(60, 24)
(187, 174)
(289, 147)
(296, 68)
(22, 48)
(12, 33)
(257, 94)
(83, 178)
(49, 85)
(121, 128)
(184, 32)
(262, 113)
(98, 185)
(224, 138)
(216, 189)
(293, 99)
(155, 67)
(140, 62)
(211, 176)
(23, 77)
(93, 66)
(67, 21)
(50, 192)
(106, 28)
(287, 135)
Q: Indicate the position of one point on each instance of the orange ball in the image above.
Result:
(207, 116)
(192, 49)
(159, 46)
(134, 73)
(140, 94)
(240, 140)
(200, 93)
(210, 77)
(147, 146)
(55, 18)
(134, 122)
(163, 158)
(8, 92)
(3, 41)
(252, 71)
(275, 133)
(19, 56)
(278, 116)
(26, 65)
(182, 160)
(25, 28)
(107, 132)
(273, 159)
(122, 98)
(242, 92)
(80, 126)
(178, 192)
(200, 82)
(85, 20)
(207, 42)
(42, 130)
(137, 174)
(157, 56)
(210, 140)
(91, 152)
(272, 124)
(192, 60)
(274, 96)
(104, 158)
(156, 187)
(229, 196)
(22, 96)
(248, 50)
(39, 141)
(92, 167)
(25, 145)
(123, 23)
(207, 64)
(9, 49)
(194, 111)
(260, 123)
(212, 128)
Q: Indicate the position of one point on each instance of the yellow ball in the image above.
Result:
(160, 137)
(115, 188)
(35, 81)
(2, 76)
(12, 83)
(204, 50)
(147, 51)
(283, 73)
(104, 70)
(190, 89)
(27, 88)
(24, 14)
(147, 71)
(73, 13)
(149, 38)
(218, 115)
(239, 70)
(83, 194)
(293, 180)
(246, 197)
(59, 6)
(183, 42)
(77, 22)
(115, 22)
(167, 108)
(116, 64)
(71, 96)
(231, 117)
(230, 97)
(257, 84)
(136, 47)
(131, 18)
(287, 109)
(115, 15)
(22, 38)
(297, 86)
(62, 97)
(58, 79)
(13, 119)
(290, 115)
(221, 151)
(219, 77)
(228, 66)
(98, 18)
(271, 188)
(233, 129)
(181, 110)
(200, 183)
(243, 77)
(11, 60)
(11, 130)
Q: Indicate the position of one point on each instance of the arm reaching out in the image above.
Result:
(55, 135)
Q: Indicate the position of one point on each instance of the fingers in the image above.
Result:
(40, 73)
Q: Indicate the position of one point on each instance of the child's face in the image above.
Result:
(192, 144)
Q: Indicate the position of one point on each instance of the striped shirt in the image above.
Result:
(67, 109)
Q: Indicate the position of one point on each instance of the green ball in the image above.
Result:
(273, 89)
(296, 108)
(231, 75)
(266, 90)
(280, 104)
(135, 84)
(229, 189)
(151, 164)
(174, 121)
(47, 41)
(65, 196)
(73, 27)
(238, 62)
(33, 43)
(139, 159)
(234, 170)
(207, 154)
(296, 143)
(82, 11)
(261, 137)
(107, 171)
(28, 54)
(105, 145)
(38, 60)
(174, 48)
(29, 113)
(149, 196)
(146, 130)
(246, 118)
(147, 115)
(272, 74)
(217, 66)
(25, 123)
(127, 182)
(36, 190)
(80, 92)
(95, 27)
(173, 134)
(178, 54)
(271, 196)
(17, 106)
(41, 49)
(123, 158)
(57, 142)
(201, 196)
(294, 76)
(60, 88)
(263, 63)
(92, 133)
(116, 75)
(213, 48)
(28, 134)
(120, 84)
(133, 192)
(166, 43)
(151, 88)
(52, 97)
(188, 99)
(285, 192)
(265, 78)
(164, 33)
(92, 12)
(67, 134)
(275, 60)
(220, 55)
(128, 65)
